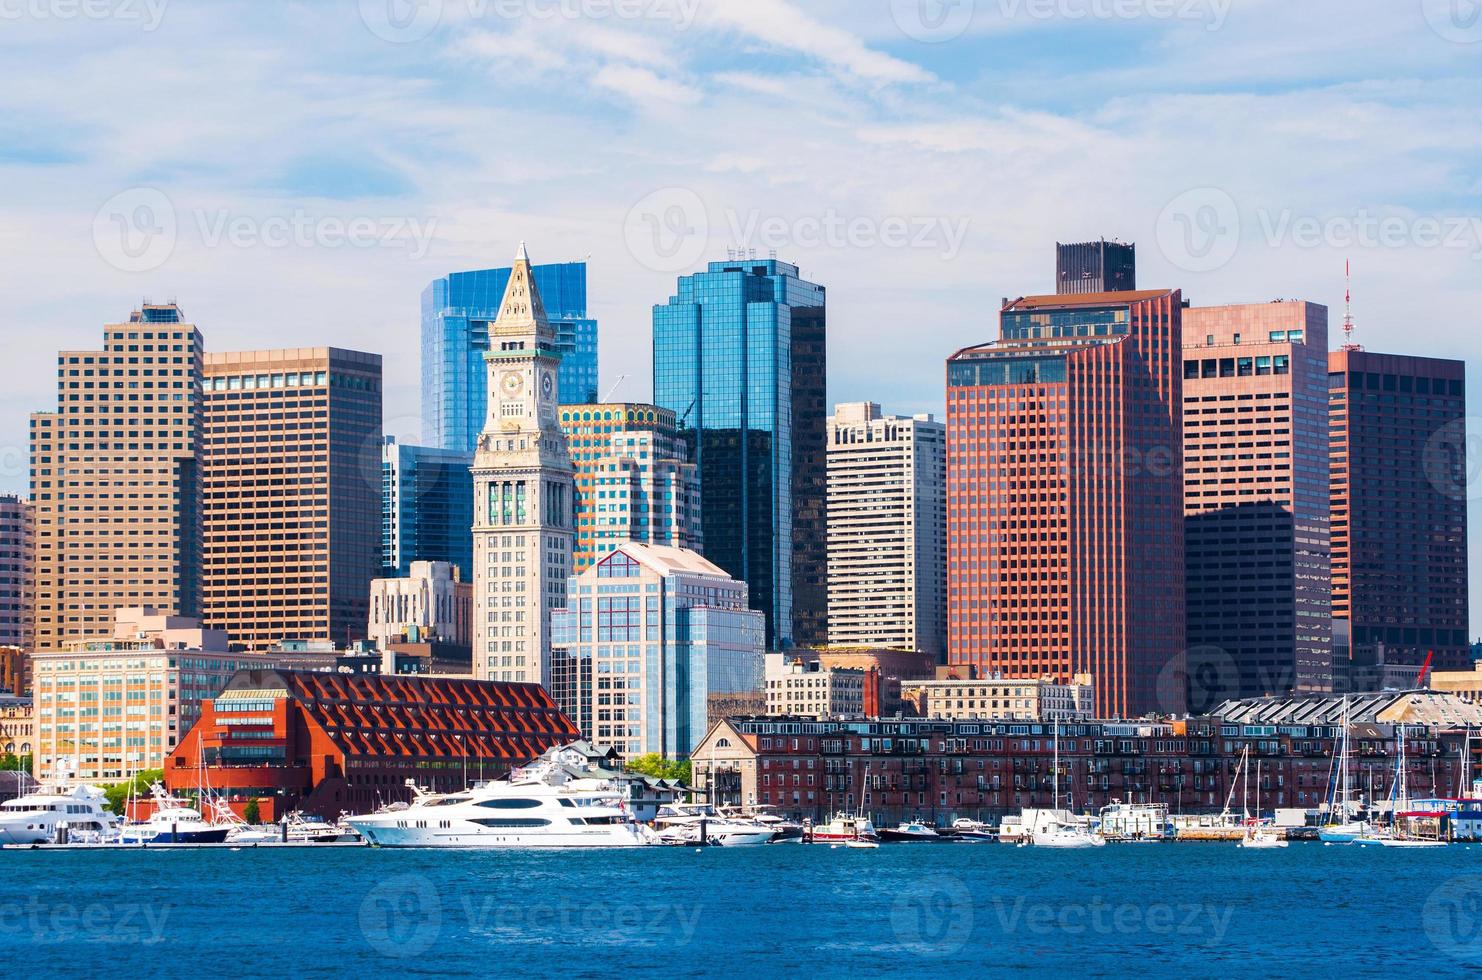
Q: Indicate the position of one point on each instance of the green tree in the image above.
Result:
(13, 762)
(252, 813)
(658, 767)
(119, 793)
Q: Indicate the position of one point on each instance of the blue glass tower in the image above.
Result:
(456, 312)
(740, 357)
(427, 508)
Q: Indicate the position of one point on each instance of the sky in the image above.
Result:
(296, 173)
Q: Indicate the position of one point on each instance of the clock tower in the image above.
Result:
(524, 493)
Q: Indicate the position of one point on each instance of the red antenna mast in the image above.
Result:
(1348, 343)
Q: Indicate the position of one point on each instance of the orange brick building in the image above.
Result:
(326, 742)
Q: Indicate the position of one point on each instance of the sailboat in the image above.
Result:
(1257, 833)
(1061, 833)
(850, 829)
(1341, 828)
(1397, 834)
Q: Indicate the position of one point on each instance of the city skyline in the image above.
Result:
(1367, 103)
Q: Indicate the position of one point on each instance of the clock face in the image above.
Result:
(547, 384)
(512, 382)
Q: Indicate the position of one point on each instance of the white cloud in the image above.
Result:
(781, 24)
(643, 86)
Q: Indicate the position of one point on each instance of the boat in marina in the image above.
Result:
(842, 828)
(173, 821)
(1059, 832)
(74, 813)
(1259, 835)
(541, 805)
(690, 824)
(912, 831)
(784, 831)
(967, 829)
(1135, 822)
(1407, 827)
(1342, 827)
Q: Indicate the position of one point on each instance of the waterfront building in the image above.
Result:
(806, 689)
(1064, 496)
(457, 313)
(107, 708)
(939, 770)
(740, 357)
(431, 604)
(292, 493)
(1400, 487)
(998, 699)
(887, 530)
(326, 743)
(15, 571)
(1095, 267)
(634, 480)
(17, 726)
(650, 636)
(115, 479)
(1256, 552)
(426, 507)
(524, 492)
(1465, 684)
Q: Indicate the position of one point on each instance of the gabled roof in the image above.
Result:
(1085, 299)
(421, 717)
(667, 560)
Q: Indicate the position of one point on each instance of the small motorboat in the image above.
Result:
(912, 831)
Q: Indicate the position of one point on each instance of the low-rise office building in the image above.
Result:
(1001, 699)
(796, 686)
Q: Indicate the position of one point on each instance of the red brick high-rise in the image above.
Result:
(1065, 497)
(1399, 499)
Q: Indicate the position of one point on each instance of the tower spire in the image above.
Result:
(521, 312)
(1348, 343)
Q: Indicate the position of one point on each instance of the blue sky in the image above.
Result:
(295, 173)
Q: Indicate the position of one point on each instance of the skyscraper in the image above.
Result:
(634, 480)
(1255, 500)
(740, 357)
(115, 479)
(15, 567)
(1064, 499)
(524, 492)
(1095, 267)
(1400, 485)
(427, 508)
(456, 313)
(887, 530)
(293, 494)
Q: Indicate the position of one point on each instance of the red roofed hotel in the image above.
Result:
(328, 742)
(1065, 497)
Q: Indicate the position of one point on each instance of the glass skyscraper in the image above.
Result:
(740, 358)
(427, 508)
(456, 312)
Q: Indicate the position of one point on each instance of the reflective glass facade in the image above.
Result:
(456, 312)
(427, 508)
(740, 358)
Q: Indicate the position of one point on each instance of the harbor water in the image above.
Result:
(1161, 910)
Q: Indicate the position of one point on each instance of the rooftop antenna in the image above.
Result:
(1348, 343)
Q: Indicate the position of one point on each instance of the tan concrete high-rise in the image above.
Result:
(1257, 566)
(292, 502)
(115, 479)
(887, 530)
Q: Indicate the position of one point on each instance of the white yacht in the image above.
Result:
(1072, 834)
(686, 823)
(542, 805)
(174, 821)
(37, 817)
